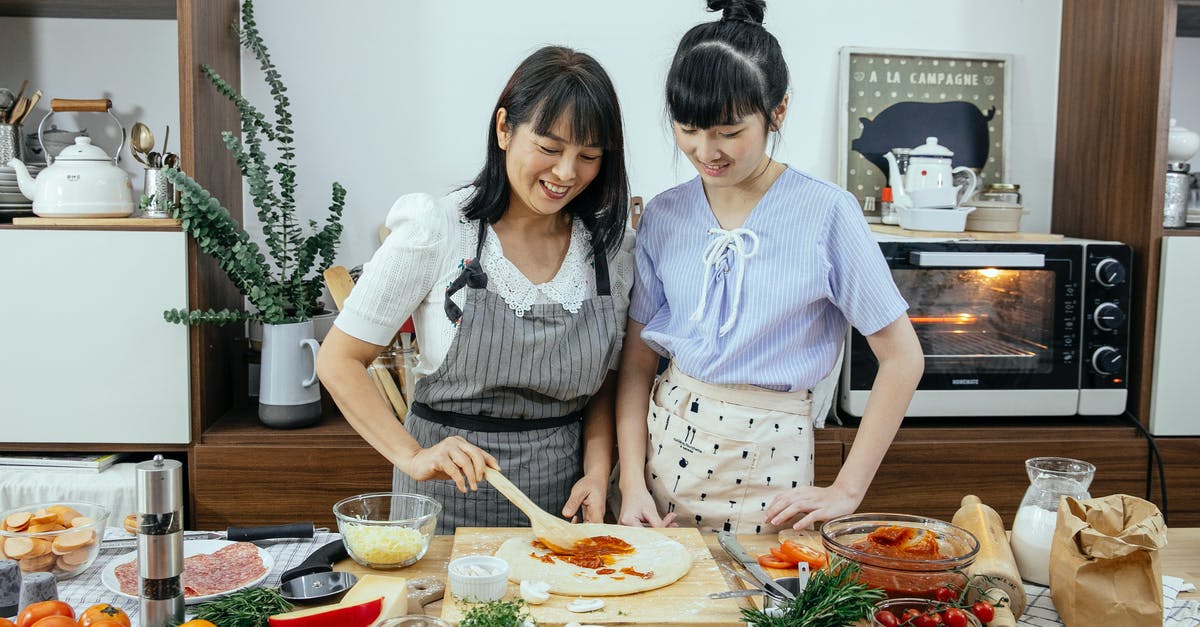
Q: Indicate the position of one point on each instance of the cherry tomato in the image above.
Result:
(910, 614)
(103, 612)
(768, 561)
(945, 595)
(801, 553)
(955, 617)
(35, 612)
(932, 619)
(56, 621)
(983, 611)
(887, 618)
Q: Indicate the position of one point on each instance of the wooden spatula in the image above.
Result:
(337, 279)
(556, 533)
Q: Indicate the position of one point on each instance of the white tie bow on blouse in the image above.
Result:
(740, 244)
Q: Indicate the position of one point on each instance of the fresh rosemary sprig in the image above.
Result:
(245, 608)
(832, 598)
(498, 614)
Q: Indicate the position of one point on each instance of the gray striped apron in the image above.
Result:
(517, 388)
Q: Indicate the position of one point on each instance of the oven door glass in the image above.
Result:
(987, 327)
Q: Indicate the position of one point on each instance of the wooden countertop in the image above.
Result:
(1181, 558)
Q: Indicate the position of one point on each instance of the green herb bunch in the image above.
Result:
(286, 288)
(497, 614)
(832, 598)
(245, 608)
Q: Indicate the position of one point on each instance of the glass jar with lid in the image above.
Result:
(1002, 192)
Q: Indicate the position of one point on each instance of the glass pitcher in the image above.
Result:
(1050, 479)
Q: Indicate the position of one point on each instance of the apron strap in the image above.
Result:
(472, 275)
(600, 261)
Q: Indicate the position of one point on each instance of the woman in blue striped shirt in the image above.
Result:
(747, 277)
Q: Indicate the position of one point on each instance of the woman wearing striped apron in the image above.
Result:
(747, 277)
(518, 315)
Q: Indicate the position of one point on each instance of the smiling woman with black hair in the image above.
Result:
(518, 286)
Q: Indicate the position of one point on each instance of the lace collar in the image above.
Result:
(568, 288)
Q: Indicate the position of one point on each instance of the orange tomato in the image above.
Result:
(767, 561)
(198, 622)
(779, 556)
(801, 553)
(35, 612)
(102, 612)
(4, 622)
(105, 622)
(56, 621)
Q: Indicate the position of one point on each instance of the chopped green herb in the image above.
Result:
(497, 614)
(245, 608)
(832, 598)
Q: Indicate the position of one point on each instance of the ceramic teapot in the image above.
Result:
(83, 181)
(1182, 144)
(929, 180)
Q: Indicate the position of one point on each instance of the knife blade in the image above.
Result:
(233, 534)
(734, 548)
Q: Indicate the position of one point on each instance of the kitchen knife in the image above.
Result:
(735, 550)
(233, 534)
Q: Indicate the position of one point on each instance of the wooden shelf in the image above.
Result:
(241, 427)
(97, 224)
(110, 9)
(1186, 231)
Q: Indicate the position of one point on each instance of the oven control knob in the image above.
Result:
(1108, 317)
(1108, 360)
(1110, 272)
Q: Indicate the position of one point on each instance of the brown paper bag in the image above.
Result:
(1104, 563)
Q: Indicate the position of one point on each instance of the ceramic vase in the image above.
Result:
(289, 396)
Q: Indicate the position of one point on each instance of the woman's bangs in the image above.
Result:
(593, 120)
(709, 87)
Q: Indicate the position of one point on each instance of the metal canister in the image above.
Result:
(160, 541)
(1176, 204)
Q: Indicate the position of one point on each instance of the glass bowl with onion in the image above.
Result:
(906, 556)
(386, 530)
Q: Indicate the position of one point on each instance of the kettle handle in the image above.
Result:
(97, 105)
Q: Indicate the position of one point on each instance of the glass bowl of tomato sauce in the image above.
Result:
(906, 556)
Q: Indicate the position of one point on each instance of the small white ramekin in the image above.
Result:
(478, 588)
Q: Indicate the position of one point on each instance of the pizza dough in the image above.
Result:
(660, 560)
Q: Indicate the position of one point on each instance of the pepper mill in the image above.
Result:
(160, 541)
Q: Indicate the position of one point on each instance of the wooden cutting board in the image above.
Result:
(684, 602)
(889, 229)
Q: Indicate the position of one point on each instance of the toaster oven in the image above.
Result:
(1008, 328)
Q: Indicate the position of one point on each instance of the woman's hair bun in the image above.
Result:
(749, 11)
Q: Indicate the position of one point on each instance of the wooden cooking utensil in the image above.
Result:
(29, 105)
(384, 381)
(556, 533)
(337, 279)
(995, 559)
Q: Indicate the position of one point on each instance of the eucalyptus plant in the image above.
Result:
(287, 286)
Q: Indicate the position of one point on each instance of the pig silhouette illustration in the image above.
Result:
(959, 126)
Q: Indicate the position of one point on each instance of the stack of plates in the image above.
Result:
(12, 201)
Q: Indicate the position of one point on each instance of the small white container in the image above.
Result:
(947, 220)
(478, 578)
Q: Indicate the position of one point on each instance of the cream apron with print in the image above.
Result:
(515, 386)
(718, 454)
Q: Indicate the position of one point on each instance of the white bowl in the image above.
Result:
(478, 578)
(948, 220)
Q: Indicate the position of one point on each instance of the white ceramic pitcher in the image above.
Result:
(288, 393)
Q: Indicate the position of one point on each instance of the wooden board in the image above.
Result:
(113, 223)
(889, 229)
(684, 602)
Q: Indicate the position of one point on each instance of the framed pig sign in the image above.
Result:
(898, 98)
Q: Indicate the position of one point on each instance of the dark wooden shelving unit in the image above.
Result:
(118, 10)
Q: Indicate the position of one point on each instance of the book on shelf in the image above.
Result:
(88, 461)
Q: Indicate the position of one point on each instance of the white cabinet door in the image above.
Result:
(85, 355)
(1175, 394)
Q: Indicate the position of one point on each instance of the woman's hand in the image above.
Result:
(816, 504)
(638, 510)
(453, 458)
(589, 492)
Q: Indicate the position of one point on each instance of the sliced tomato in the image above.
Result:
(780, 556)
(767, 561)
(801, 553)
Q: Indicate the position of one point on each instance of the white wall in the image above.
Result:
(1185, 87)
(394, 97)
(134, 63)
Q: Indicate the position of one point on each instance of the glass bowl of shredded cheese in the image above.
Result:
(385, 529)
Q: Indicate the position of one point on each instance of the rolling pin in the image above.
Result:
(994, 560)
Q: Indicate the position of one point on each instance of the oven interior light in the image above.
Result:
(962, 318)
(989, 273)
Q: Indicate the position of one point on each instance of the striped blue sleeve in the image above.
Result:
(648, 297)
(859, 279)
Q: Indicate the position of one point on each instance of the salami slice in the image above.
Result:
(206, 573)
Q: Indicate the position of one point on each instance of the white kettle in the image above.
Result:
(929, 180)
(83, 181)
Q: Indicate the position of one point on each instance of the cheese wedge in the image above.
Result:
(372, 600)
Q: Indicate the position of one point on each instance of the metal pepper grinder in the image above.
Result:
(160, 541)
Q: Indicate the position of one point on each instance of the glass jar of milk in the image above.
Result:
(1050, 479)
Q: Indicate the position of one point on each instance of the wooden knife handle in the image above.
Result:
(98, 105)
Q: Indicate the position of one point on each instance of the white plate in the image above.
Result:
(16, 199)
(16, 205)
(191, 547)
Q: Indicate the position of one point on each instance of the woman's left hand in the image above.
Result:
(816, 504)
(590, 493)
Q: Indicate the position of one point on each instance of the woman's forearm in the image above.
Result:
(639, 363)
(599, 433)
